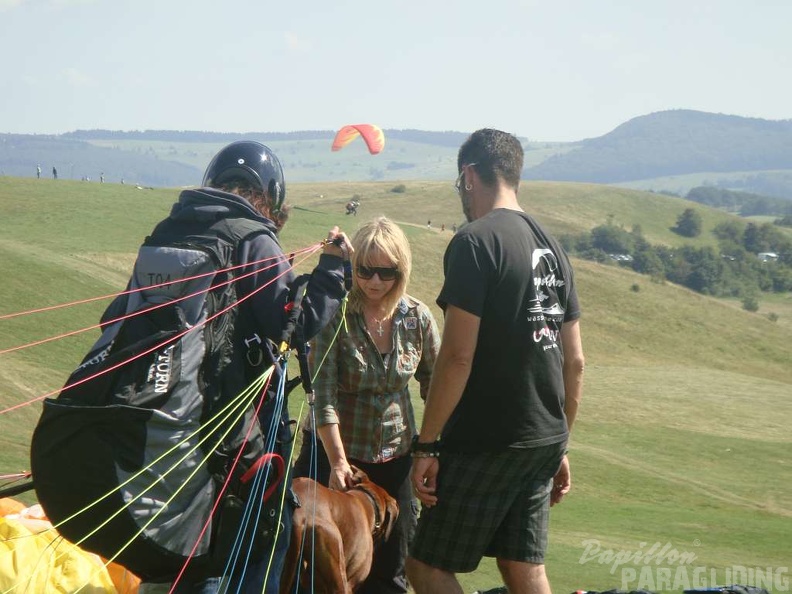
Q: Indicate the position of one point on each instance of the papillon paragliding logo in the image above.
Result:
(372, 135)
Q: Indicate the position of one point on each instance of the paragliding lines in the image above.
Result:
(255, 501)
(149, 287)
(313, 461)
(279, 259)
(156, 347)
(237, 406)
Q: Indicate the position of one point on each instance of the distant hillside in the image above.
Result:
(168, 158)
(680, 142)
(670, 151)
(75, 159)
(452, 139)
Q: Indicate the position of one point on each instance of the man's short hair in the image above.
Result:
(497, 155)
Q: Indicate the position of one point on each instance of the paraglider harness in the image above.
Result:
(126, 462)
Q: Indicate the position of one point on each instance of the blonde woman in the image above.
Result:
(364, 416)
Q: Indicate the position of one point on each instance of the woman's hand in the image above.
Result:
(340, 476)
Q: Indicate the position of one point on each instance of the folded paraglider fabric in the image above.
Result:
(34, 558)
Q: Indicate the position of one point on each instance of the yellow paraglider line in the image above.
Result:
(242, 401)
(312, 413)
(193, 328)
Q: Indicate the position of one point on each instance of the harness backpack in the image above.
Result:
(128, 460)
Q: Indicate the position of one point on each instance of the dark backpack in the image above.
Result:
(157, 397)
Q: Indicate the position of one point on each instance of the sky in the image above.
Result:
(549, 70)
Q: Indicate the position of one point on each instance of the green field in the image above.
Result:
(683, 436)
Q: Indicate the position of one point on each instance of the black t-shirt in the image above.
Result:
(505, 269)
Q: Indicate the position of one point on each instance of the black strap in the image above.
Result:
(16, 489)
(377, 518)
(294, 310)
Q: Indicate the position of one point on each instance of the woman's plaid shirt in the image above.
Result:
(366, 393)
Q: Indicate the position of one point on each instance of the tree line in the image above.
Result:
(745, 204)
(733, 269)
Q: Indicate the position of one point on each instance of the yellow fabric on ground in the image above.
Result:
(36, 562)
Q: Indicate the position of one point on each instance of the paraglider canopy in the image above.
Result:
(372, 135)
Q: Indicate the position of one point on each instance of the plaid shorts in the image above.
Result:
(494, 504)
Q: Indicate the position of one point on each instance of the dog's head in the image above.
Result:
(386, 509)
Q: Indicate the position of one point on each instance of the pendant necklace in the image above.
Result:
(380, 330)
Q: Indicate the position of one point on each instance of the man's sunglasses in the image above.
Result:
(385, 274)
(458, 183)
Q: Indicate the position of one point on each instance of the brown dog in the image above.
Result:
(334, 533)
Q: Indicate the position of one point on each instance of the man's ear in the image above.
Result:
(470, 177)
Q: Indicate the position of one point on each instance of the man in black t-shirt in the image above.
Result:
(505, 388)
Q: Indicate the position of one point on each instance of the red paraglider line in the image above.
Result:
(146, 288)
(158, 346)
(15, 476)
(154, 307)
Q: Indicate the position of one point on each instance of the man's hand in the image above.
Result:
(424, 479)
(562, 482)
(335, 239)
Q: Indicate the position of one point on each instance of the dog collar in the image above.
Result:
(377, 518)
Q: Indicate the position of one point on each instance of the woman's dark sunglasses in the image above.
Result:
(385, 274)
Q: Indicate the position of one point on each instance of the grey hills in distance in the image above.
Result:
(668, 151)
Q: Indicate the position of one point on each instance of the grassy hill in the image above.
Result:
(683, 436)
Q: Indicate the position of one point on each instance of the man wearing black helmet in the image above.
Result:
(242, 203)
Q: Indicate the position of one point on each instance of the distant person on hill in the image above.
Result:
(364, 414)
(491, 455)
(54, 173)
(38, 171)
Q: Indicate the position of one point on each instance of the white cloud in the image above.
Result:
(295, 43)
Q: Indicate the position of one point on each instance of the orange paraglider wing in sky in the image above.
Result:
(372, 135)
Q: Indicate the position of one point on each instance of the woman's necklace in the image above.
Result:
(379, 321)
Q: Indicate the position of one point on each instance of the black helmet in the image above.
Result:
(252, 162)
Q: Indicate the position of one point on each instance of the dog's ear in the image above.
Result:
(358, 476)
(391, 515)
